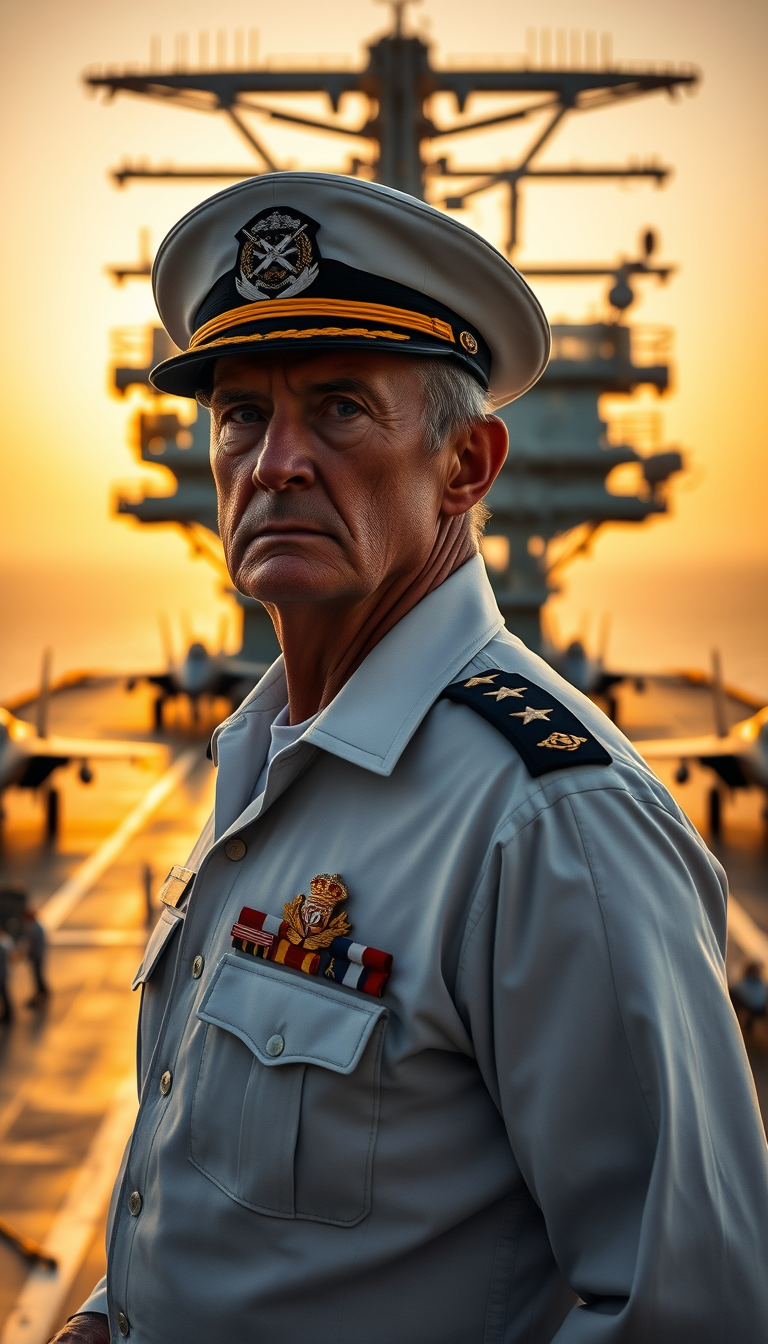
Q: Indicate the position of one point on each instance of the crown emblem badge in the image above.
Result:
(278, 255)
(309, 917)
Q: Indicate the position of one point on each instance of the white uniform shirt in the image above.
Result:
(282, 734)
(545, 1130)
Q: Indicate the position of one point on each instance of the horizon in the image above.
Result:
(66, 437)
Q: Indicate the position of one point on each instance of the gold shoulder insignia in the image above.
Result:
(481, 681)
(562, 742)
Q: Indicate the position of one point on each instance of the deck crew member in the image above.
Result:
(6, 951)
(35, 939)
(435, 1039)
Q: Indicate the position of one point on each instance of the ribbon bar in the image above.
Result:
(347, 963)
(254, 936)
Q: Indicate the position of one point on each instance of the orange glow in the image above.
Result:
(65, 437)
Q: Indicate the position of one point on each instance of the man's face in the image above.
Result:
(326, 491)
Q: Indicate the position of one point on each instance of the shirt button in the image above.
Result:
(165, 1082)
(197, 967)
(275, 1046)
(235, 848)
(134, 1203)
(123, 1324)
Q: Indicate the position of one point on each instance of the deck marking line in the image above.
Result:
(99, 938)
(30, 1086)
(62, 902)
(746, 933)
(35, 1310)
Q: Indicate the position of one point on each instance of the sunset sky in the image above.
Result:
(64, 438)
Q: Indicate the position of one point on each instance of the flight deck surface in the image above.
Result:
(67, 1091)
(67, 1069)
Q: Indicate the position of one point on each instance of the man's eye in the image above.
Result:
(346, 409)
(246, 415)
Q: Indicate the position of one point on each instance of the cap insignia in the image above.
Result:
(278, 255)
(469, 342)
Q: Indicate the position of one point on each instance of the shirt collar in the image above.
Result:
(375, 714)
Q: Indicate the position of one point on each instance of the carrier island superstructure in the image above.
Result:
(554, 492)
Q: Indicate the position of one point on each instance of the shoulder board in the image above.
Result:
(546, 734)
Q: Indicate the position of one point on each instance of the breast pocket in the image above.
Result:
(286, 1102)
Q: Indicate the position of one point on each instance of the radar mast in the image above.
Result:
(552, 495)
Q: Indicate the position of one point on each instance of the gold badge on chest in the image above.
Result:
(312, 939)
(309, 917)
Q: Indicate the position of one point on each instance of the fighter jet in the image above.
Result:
(197, 675)
(586, 672)
(737, 755)
(29, 754)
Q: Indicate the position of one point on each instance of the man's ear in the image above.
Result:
(476, 457)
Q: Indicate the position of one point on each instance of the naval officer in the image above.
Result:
(435, 1040)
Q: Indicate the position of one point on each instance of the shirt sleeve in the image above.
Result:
(594, 986)
(97, 1302)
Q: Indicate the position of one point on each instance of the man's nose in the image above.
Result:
(285, 458)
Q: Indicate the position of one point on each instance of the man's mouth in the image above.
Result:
(288, 529)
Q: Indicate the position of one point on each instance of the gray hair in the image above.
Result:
(453, 401)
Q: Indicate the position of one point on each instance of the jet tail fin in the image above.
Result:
(44, 696)
(550, 635)
(166, 640)
(718, 695)
(223, 630)
(604, 636)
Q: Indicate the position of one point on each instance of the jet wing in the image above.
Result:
(93, 749)
(725, 755)
(682, 748)
(235, 671)
(164, 680)
(238, 667)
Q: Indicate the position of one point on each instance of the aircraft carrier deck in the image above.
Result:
(67, 1092)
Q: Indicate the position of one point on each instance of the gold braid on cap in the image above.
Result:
(366, 312)
(299, 334)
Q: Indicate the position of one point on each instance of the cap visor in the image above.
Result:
(183, 375)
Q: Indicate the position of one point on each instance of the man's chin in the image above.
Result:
(279, 580)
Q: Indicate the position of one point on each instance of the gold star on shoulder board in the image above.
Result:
(481, 681)
(505, 691)
(528, 715)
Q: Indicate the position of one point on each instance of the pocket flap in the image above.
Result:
(307, 1020)
(159, 939)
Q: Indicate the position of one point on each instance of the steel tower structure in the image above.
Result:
(555, 478)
